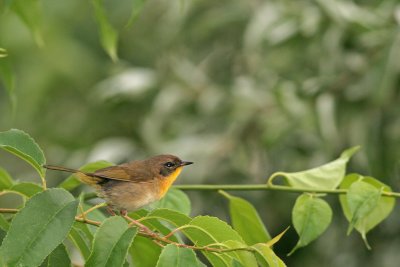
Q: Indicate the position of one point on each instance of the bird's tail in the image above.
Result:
(85, 177)
(59, 168)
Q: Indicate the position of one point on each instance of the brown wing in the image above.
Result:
(123, 173)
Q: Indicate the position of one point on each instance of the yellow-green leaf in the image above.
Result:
(371, 218)
(246, 221)
(327, 176)
(310, 216)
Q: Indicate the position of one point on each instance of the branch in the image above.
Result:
(152, 235)
(253, 187)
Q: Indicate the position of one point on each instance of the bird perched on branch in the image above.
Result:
(132, 185)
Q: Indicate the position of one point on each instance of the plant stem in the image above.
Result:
(248, 187)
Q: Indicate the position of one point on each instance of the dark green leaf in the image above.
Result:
(172, 255)
(327, 176)
(144, 252)
(5, 179)
(246, 221)
(39, 228)
(22, 145)
(111, 243)
(81, 241)
(108, 34)
(311, 216)
(58, 258)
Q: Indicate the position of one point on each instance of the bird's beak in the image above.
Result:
(185, 163)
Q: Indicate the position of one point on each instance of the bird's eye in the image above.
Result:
(169, 164)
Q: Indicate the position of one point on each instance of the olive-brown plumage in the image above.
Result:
(135, 184)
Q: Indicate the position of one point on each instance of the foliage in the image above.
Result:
(38, 231)
(242, 88)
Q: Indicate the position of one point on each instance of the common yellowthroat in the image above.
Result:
(132, 185)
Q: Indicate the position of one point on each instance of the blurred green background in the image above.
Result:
(242, 88)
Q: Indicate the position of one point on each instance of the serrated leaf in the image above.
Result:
(172, 255)
(381, 211)
(246, 221)
(175, 199)
(310, 216)
(111, 243)
(205, 230)
(38, 228)
(72, 182)
(327, 176)
(267, 257)
(108, 35)
(5, 179)
(22, 145)
(58, 258)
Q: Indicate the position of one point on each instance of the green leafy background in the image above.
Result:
(242, 88)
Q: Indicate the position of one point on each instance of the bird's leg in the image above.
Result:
(110, 210)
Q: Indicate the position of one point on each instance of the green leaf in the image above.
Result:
(240, 257)
(108, 34)
(327, 176)
(206, 230)
(144, 252)
(136, 8)
(311, 216)
(362, 199)
(73, 182)
(246, 221)
(5, 179)
(4, 223)
(26, 189)
(267, 257)
(30, 14)
(22, 145)
(111, 243)
(172, 255)
(175, 199)
(58, 258)
(80, 239)
(381, 211)
(38, 228)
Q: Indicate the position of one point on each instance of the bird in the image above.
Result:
(133, 185)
